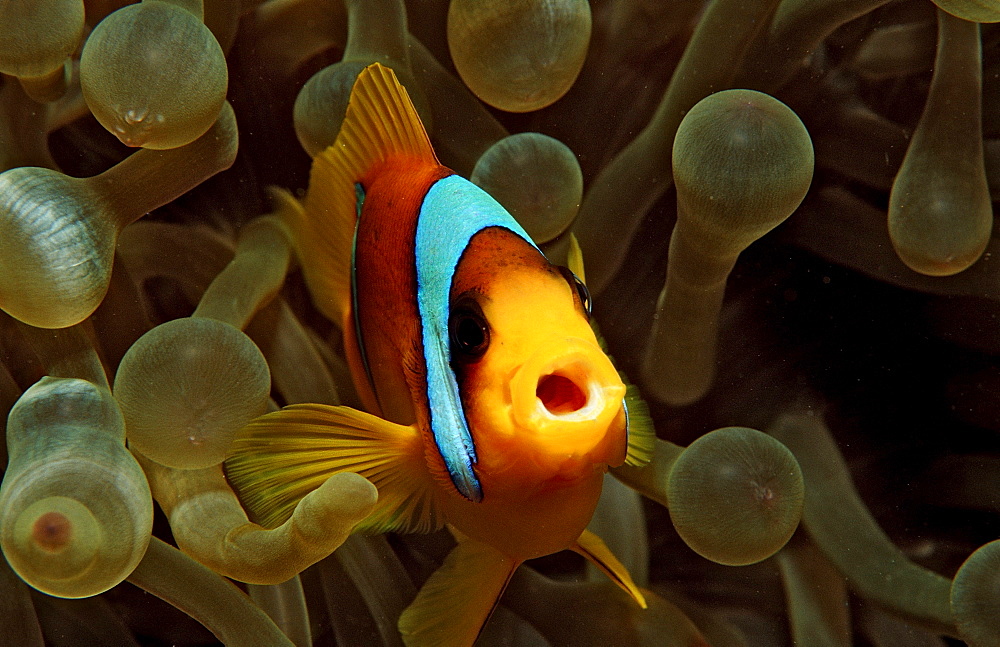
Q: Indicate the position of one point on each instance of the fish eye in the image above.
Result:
(578, 285)
(469, 332)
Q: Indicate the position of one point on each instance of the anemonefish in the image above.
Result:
(492, 407)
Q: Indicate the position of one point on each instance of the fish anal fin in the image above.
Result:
(380, 124)
(594, 549)
(457, 599)
(280, 457)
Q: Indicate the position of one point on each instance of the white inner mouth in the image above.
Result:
(561, 397)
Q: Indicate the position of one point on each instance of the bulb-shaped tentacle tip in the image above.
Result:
(75, 509)
(742, 163)
(209, 522)
(536, 178)
(334, 508)
(154, 75)
(896, 50)
(735, 495)
(321, 104)
(975, 597)
(58, 233)
(56, 247)
(940, 211)
(57, 535)
(630, 184)
(377, 32)
(519, 56)
(37, 40)
(186, 387)
(253, 277)
(971, 10)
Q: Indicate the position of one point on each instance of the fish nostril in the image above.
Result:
(559, 394)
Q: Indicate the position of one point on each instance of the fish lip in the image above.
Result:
(570, 433)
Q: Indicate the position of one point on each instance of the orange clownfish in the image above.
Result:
(492, 407)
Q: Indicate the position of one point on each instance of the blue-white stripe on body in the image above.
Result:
(453, 211)
(359, 195)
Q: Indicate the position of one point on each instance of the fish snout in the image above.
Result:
(568, 396)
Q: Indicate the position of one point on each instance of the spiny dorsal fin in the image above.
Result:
(280, 457)
(380, 123)
(594, 549)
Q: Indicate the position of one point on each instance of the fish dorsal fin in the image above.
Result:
(594, 549)
(380, 124)
(280, 457)
(458, 598)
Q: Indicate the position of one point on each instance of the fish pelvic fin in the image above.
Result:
(280, 457)
(594, 549)
(380, 124)
(457, 599)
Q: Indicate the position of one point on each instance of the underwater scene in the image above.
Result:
(282, 361)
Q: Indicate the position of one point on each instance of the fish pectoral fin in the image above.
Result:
(574, 258)
(457, 599)
(594, 549)
(639, 431)
(280, 457)
(639, 428)
(641, 436)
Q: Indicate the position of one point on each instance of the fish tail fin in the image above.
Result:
(381, 123)
(456, 601)
(594, 549)
(280, 457)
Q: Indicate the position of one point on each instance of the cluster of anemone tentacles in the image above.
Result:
(785, 211)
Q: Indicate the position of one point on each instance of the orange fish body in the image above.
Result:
(383, 281)
(492, 407)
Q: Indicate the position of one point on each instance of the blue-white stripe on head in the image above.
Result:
(453, 211)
